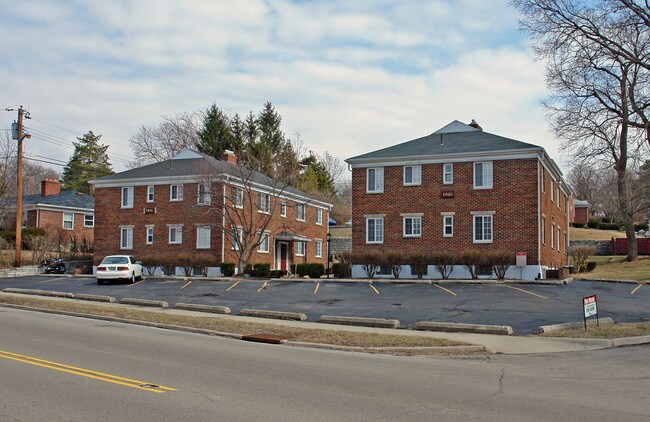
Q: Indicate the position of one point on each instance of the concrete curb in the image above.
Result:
(39, 292)
(261, 313)
(144, 302)
(609, 280)
(443, 349)
(630, 341)
(95, 298)
(363, 322)
(570, 325)
(202, 308)
(454, 327)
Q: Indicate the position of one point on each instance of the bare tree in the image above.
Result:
(174, 134)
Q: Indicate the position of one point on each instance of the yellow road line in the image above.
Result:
(263, 287)
(236, 283)
(636, 288)
(136, 283)
(186, 284)
(373, 288)
(87, 373)
(446, 290)
(525, 291)
(316, 289)
(44, 281)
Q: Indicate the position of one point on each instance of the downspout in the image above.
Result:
(539, 219)
(223, 225)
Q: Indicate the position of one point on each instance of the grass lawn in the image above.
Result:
(616, 268)
(593, 234)
(632, 329)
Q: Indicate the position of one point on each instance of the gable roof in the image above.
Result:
(191, 165)
(455, 138)
(65, 199)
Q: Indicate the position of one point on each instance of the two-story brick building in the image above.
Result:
(195, 203)
(459, 189)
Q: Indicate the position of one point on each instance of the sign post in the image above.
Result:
(590, 307)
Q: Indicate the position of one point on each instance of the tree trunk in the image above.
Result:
(625, 205)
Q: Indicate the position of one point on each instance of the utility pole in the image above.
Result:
(18, 135)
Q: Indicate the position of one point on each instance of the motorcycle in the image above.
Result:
(54, 267)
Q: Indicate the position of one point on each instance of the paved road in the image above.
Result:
(219, 379)
(523, 306)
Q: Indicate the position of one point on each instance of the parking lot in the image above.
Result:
(523, 306)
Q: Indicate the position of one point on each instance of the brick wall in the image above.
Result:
(52, 223)
(555, 216)
(513, 199)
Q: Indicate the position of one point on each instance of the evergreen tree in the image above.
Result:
(315, 178)
(268, 123)
(215, 135)
(89, 161)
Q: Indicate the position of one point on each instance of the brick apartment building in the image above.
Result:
(59, 212)
(179, 207)
(459, 189)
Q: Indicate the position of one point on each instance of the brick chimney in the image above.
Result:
(475, 125)
(50, 187)
(229, 156)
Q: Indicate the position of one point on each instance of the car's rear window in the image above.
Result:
(115, 260)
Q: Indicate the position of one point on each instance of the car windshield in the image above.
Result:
(115, 260)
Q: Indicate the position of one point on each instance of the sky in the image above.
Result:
(347, 77)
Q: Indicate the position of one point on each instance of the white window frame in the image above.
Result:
(416, 176)
(485, 217)
(543, 230)
(559, 238)
(552, 194)
(203, 196)
(543, 180)
(301, 248)
(558, 196)
(377, 234)
(148, 235)
(283, 209)
(318, 248)
(126, 237)
(69, 220)
(300, 212)
(92, 220)
(319, 216)
(378, 178)
(416, 223)
(176, 195)
(151, 190)
(553, 236)
(487, 174)
(447, 170)
(447, 221)
(128, 190)
(264, 203)
(177, 229)
(265, 242)
(203, 237)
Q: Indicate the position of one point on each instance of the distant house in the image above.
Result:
(459, 189)
(183, 206)
(59, 212)
(581, 211)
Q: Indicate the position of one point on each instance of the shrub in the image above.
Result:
(202, 262)
(606, 220)
(394, 261)
(593, 224)
(278, 273)
(579, 256)
(150, 263)
(7, 253)
(167, 265)
(500, 261)
(419, 264)
(227, 269)
(40, 247)
(578, 225)
(186, 262)
(370, 263)
(590, 266)
(641, 226)
(10, 235)
(609, 226)
(262, 270)
(344, 257)
(472, 260)
(342, 270)
(312, 270)
(444, 263)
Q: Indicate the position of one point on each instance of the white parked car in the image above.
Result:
(115, 267)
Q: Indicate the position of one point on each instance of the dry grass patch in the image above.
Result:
(231, 325)
(617, 268)
(605, 331)
(593, 234)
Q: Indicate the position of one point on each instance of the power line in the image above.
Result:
(74, 131)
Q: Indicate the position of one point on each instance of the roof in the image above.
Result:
(454, 138)
(581, 204)
(190, 164)
(64, 199)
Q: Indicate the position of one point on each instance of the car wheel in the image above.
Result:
(100, 281)
(132, 277)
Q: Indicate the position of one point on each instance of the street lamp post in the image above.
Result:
(329, 240)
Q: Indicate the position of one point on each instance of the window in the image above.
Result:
(300, 248)
(175, 234)
(375, 180)
(89, 220)
(448, 225)
(264, 203)
(412, 226)
(319, 216)
(300, 212)
(127, 197)
(150, 193)
(176, 192)
(543, 234)
(552, 235)
(559, 233)
(375, 230)
(238, 197)
(126, 237)
(447, 174)
(203, 195)
(543, 180)
(149, 235)
(412, 175)
(283, 209)
(319, 248)
(203, 237)
(264, 245)
(237, 237)
(483, 175)
(68, 220)
(482, 228)
(557, 198)
(552, 190)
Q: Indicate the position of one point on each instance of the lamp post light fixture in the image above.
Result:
(329, 240)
